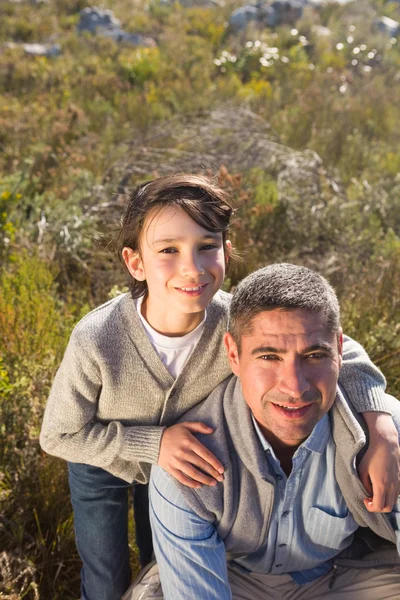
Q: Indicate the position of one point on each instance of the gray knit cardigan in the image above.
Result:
(241, 505)
(112, 397)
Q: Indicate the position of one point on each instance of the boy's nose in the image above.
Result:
(191, 267)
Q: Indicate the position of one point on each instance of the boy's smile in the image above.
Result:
(183, 265)
(193, 291)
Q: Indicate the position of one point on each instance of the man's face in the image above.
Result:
(288, 367)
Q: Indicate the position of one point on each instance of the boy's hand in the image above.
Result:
(181, 453)
(379, 469)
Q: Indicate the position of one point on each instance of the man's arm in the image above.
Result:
(190, 554)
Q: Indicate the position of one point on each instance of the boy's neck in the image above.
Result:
(167, 322)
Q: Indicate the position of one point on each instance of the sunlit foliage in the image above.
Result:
(328, 85)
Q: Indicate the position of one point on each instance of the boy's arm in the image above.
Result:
(190, 554)
(379, 469)
(394, 517)
(362, 380)
(70, 429)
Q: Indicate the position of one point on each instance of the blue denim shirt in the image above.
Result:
(310, 525)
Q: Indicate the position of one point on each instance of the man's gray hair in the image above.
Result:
(284, 287)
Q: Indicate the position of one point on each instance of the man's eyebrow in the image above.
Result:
(206, 236)
(267, 350)
(325, 346)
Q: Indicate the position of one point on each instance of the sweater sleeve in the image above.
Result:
(362, 380)
(70, 429)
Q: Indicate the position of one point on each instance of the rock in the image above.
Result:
(101, 21)
(242, 16)
(280, 12)
(318, 3)
(286, 12)
(95, 18)
(135, 39)
(42, 50)
(191, 3)
(388, 26)
(202, 3)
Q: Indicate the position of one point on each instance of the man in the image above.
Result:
(290, 511)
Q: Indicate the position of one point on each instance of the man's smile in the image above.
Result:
(292, 412)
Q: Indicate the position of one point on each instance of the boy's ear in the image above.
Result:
(134, 264)
(228, 246)
(232, 352)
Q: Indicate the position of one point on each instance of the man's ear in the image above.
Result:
(134, 264)
(232, 352)
(340, 344)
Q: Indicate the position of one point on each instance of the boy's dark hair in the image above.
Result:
(203, 201)
(285, 287)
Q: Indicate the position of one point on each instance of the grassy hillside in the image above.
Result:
(302, 127)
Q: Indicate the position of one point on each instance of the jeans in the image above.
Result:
(101, 502)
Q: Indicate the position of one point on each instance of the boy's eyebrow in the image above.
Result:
(207, 236)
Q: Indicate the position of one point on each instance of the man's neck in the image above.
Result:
(284, 451)
(285, 454)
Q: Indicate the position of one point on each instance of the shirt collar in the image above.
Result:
(165, 341)
(316, 441)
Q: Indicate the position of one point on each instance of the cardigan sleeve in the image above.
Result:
(70, 429)
(362, 380)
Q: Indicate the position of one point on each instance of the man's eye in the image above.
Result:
(316, 355)
(269, 357)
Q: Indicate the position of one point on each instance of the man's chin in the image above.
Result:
(290, 432)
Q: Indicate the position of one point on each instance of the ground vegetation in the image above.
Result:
(299, 123)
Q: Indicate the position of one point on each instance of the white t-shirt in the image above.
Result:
(173, 351)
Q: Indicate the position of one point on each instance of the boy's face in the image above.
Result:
(183, 265)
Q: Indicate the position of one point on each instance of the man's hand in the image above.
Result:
(181, 453)
(379, 470)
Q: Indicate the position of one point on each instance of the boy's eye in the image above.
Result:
(209, 247)
(168, 251)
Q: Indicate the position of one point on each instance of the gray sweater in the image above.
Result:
(112, 397)
(241, 505)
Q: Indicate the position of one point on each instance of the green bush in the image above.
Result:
(67, 127)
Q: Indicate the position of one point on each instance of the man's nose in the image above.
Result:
(293, 381)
